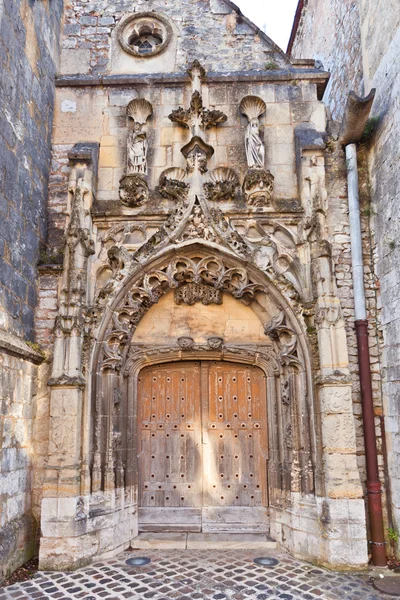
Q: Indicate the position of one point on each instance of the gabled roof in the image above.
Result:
(256, 29)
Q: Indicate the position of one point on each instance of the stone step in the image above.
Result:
(203, 541)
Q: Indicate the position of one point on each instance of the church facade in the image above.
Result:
(195, 304)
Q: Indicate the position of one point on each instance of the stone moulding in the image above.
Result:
(138, 23)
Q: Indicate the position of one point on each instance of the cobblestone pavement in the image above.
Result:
(192, 574)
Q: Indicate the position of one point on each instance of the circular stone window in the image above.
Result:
(144, 34)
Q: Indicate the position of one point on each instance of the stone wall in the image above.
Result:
(29, 33)
(361, 51)
(330, 32)
(90, 45)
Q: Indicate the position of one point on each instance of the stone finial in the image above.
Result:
(197, 73)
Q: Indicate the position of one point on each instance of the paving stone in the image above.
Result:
(197, 575)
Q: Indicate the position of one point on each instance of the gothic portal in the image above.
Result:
(200, 374)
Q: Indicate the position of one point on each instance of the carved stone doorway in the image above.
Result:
(202, 448)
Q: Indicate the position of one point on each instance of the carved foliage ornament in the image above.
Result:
(258, 187)
(172, 184)
(279, 331)
(197, 292)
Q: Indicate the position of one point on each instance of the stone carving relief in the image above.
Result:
(198, 227)
(258, 187)
(134, 190)
(279, 331)
(172, 184)
(222, 184)
(197, 292)
(186, 343)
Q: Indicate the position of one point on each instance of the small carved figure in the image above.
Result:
(197, 226)
(137, 150)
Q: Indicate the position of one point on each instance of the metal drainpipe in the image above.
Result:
(356, 115)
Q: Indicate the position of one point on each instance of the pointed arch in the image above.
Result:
(294, 428)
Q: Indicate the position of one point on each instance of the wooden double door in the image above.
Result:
(202, 448)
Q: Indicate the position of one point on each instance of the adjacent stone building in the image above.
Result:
(358, 41)
(29, 51)
(195, 311)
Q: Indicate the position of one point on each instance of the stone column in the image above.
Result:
(64, 510)
(340, 510)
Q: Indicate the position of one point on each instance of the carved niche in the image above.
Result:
(258, 185)
(134, 190)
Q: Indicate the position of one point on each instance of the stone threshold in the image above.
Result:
(203, 541)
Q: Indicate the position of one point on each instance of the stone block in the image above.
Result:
(335, 399)
(75, 60)
(278, 114)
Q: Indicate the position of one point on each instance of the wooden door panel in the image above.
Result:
(169, 460)
(202, 450)
(235, 457)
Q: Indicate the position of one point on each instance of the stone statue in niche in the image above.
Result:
(138, 111)
(258, 185)
(253, 108)
(137, 151)
(133, 187)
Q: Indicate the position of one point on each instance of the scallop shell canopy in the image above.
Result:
(223, 175)
(174, 174)
(139, 110)
(253, 107)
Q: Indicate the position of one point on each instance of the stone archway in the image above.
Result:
(200, 276)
